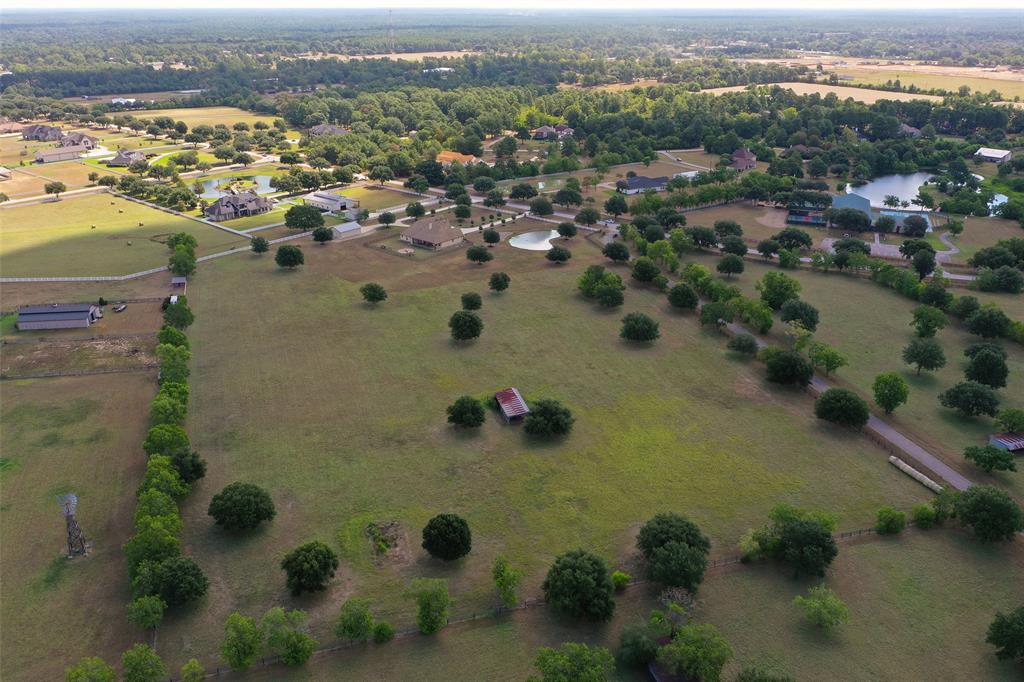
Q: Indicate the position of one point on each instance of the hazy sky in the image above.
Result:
(631, 5)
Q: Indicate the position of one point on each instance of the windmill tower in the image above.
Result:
(76, 538)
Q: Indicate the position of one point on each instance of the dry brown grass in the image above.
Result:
(843, 92)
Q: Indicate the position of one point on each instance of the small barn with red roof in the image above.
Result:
(511, 403)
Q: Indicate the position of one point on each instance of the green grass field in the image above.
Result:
(871, 326)
(919, 606)
(375, 198)
(62, 435)
(54, 239)
(205, 115)
(344, 423)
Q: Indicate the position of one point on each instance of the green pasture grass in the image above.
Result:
(375, 198)
(337, 408)
(206, 115)
(72, 434)
(53, 239)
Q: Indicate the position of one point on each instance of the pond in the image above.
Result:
(210, 191)
(539, 240)
(905, 186)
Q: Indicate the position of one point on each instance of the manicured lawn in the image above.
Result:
(376, 198)
(53, 239)
(871, 326)
(63, 435)
(338, 410)
(271, 217)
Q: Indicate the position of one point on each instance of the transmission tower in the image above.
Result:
(391, 33)
(76, 538)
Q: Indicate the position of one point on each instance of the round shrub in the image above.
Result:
(843, 407)
(639, 327)
(683, 296)
(447, 536)
(465, 325)
(241, 506)
(788, 367)
(308, 567)
(466, 411)
(471, 301)
(383, 632)
(743, 343)
(578, 585)
(924, 516)
(547, 419)
(890, 521)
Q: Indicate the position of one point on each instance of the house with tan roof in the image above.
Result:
(432, 233)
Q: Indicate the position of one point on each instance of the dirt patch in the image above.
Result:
(773, 218)
(77, 356)
(389, 542)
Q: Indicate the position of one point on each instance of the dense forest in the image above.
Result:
(103, 53)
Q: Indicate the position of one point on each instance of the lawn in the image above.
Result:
(54, 239)
(376, 198)
(871, 326)
(272, 217)
(195, 116)
(63, 435)
(350, 429)
(907, 623)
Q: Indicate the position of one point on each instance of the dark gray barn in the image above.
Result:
(57, 316)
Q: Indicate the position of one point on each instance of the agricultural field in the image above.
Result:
(680, 420)
(97, 234)
(864, 95)
(899, 609)
(62, 435)
(194, 116)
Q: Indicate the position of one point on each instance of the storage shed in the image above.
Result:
(512, 406)
(58, 316)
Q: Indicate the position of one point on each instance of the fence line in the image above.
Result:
(79, 372)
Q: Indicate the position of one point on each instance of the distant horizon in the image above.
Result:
(532, 6)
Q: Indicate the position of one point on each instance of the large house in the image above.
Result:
(42, 133)
(641, 183)
(60, 153)
(743, 159)
(58, 316)
(333, 203)
(125, 157)
(240, 205)
(996, 155)
(73, 139)
(327, 129)
(558, 132)
(447, 158)
(432, 234)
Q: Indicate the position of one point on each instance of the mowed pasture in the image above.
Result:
(919, 607)
(338, 409)
(79, 435)
(863, 95)
(376, 198)
(57, 238)
(194, 116)
(870, 325)
(946, 81)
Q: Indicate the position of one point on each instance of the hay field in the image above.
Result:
(843, 92)
(206, 115)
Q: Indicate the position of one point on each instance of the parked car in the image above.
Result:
(120, 307)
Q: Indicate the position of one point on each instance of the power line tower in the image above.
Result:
(391, 33)
(76, 538)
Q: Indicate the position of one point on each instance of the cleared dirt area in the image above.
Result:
(68, 356)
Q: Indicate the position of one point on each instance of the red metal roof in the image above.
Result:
(1012, 441)
(511, 403)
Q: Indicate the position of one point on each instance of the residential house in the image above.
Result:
(60, 154)
(74, 139)
(743, 159)
(327, 129)
(58, 316)
(333, 203)
(995, 155)
(432, 234)
(909, 131)
(125, 157)
(239, 205)
(641, 183)
(42, 133)
(447, 158)
(558, 132)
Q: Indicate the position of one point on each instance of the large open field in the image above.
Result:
(62, 435)
(919, 604)
(57, 238)
(376, 198)
(205, 115)
(351, 429)
(858, 94)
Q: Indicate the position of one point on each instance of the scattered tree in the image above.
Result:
(302, 217)
(547, 419)
(447, 537)
(843, 407)
(309, 567)
(616, 251)
(924, 354)
(928, 320)
(373, 292)
(466, 412)
(823, 608)
(242, 641)
(465, 325)
(776, 288)
(578, 584)
(142, 664)
(432, 603)
(1006, 634)
(890, 391)
(146, 611)
(730, 265)
(241, 506)
(788, 367)
(558, 254)
(890, 521)
(289, 256)
(639, 327)
(971, 399)
(479, 254)
(989, 458)
(259, 245)
(571, 661)
(988, 367)
(697, 652)
(990, 512)
(506, 580)
(355, 622)
(801, 311)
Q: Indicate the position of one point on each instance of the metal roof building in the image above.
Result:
(1007, 441)
(511, 404)
(57, 316)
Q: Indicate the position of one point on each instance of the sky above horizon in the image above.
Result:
(532, 5)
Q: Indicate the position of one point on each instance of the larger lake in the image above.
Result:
(903, 186)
